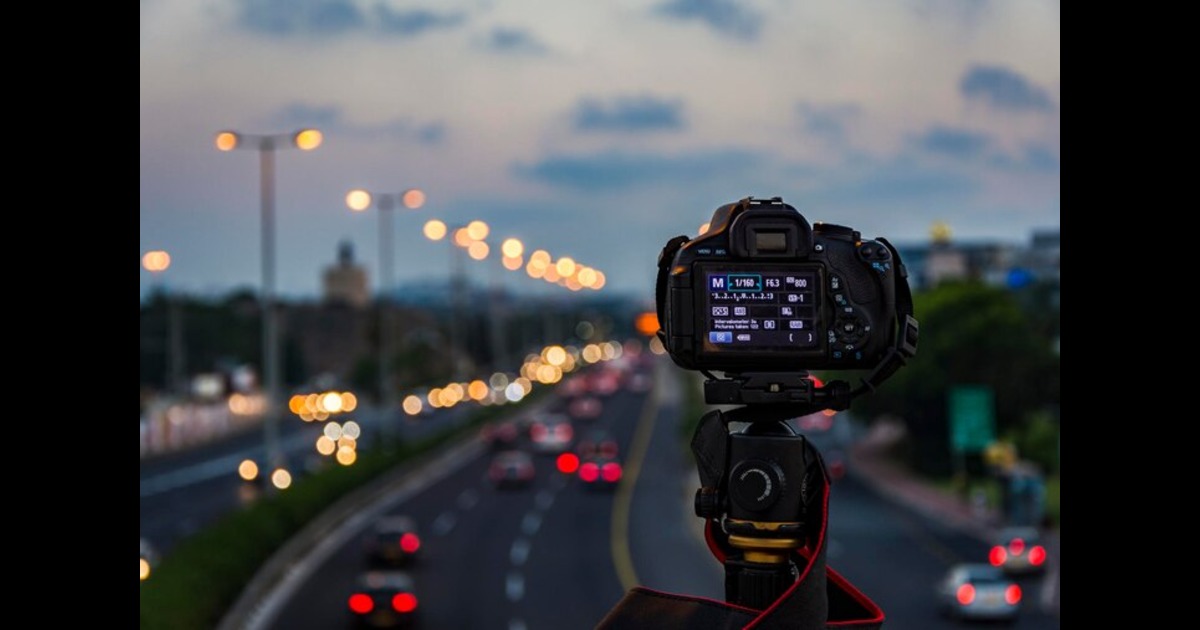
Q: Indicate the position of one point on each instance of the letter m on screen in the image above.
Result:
(716, 283)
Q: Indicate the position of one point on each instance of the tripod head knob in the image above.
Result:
(708, 503)
(756, 484)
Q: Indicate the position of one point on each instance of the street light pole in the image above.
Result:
(305, 139)
(157, 262)
(359, 200)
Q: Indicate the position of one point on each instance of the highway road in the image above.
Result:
(555, 555)
(182, 492)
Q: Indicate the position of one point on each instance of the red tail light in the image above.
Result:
(537, 432)
(966, 594)
(568, 463)
(608, 449)
(409, 543)
(564, 432)
(1012, 594)
(611, 472)
(1037, 555)
(404, 602)
(361, 603)
(997, 556)
(589, 472)
(1016, 546)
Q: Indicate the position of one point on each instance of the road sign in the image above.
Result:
(972, 418)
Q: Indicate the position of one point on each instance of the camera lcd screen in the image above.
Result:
(761, 308)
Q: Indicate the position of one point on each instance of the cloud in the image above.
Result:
(1004, 89)
(288, 18)
(828, 122)
(331, 120)
(513, 40)
(727, 17)
(614, 171)
(956, 143)
(414, 22)
(641, 113)
(897, 181)
(1034, 158)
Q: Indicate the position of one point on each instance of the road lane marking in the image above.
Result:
(514, 586)
(413, 482)
(444, 523)
(531, 523)
(468, 499)
(619, 541)
(519, 551)
(544, 500)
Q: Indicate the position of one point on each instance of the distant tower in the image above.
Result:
(944, 261)
(346, 282)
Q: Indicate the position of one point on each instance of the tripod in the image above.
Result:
(760, 483)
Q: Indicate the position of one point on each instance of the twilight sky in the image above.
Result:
(595, 129)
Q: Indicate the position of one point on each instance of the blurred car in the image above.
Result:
(393, 541)
(383, 599)
(603, 382)
(639, 382)
(597, 443)
(511, 469)
(149, 558)
(551, 433)
(600, 473)
(979, 592)
(585, 407)
(1018, 550)
(501, 435)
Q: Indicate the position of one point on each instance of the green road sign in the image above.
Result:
(972, 418)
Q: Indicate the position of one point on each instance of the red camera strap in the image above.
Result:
(821, 599)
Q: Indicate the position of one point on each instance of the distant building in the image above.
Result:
(994, 263)
(346, 282)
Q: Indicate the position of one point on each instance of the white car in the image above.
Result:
(978, 591)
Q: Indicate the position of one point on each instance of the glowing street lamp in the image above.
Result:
(156, 262)
(359, 200)
(305, 140)
(467, 237)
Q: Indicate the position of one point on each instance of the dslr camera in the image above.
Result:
(763, 290)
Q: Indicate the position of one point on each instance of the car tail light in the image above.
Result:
(409, 543)
(611, 472)
(1037, 555)
(537, 432)
(966, 594)
(608, 449)
(997, 556)
(1016, 546)
(568, 463)
(404, 602)
(564, 432)
(1012, 594)
(361, 603)
(589, 472)
(837, 469)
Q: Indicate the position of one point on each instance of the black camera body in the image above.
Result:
(763, 290)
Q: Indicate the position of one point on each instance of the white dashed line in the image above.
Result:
(467, 499)
(531, 523)
(444, 523)
(516, 624)
(514, 586)
(519, 551)
(544, 500)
